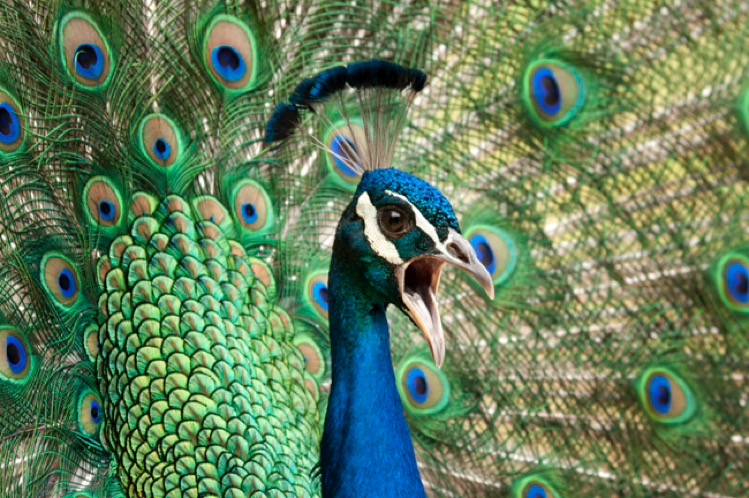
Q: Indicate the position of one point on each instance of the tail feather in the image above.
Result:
(594, 151)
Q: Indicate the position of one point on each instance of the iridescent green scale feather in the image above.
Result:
(163, 273)
(192, 367)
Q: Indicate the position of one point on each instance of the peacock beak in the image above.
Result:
(419, 279)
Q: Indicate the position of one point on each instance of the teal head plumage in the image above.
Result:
(170, 323)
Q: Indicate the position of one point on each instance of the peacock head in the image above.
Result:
(400, 232)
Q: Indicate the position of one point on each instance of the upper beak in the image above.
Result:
(419, 279)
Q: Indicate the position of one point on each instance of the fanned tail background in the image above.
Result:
(595, 153)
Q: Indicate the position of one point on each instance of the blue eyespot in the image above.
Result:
(665, 396)
(495, 249)
(346, 141)
(161, 149)
(249, 213)
(536, 491)
(95, 412)
(424, 388)
(253, 208)
(10, 125)
(107, 210)
(534, 486)
(230, 53)
(317, 293)
(16, 354)
(484, 252)
(737, 282)
(345, 153)
(659, 392)
(89, 61)
(67, 284)
(103, 202)
(84, 51)
(90, 414)
(418, 386)
(553, 92)
(546, 91)
(228, 63)
(60, 279)
(160, 139)
(321, 294)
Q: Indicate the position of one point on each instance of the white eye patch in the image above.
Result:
(380, 244)
(377, 240)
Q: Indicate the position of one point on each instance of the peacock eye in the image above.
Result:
(89, 412)
(89, 61)
(424, 389)
(15, 356)
(103, 202)
(666, 397)
(11, 124)
(231, 53)
(394, 221)
(85, 51)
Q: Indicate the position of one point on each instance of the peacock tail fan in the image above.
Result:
(163, 269)
(144, 350)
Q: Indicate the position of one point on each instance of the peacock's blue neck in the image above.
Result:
(366, 447)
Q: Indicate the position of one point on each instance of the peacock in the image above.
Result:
(297, 248)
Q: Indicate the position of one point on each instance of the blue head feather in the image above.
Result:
(433, 205)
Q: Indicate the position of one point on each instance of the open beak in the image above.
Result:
(419, 279)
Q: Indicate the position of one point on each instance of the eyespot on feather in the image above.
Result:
(732, 279)
(60, 279)
(536, 490)
(231, 54)
(91, 342)
(252, 206)
(317, 294)
(343, 155)
(666, 398)
(314, 360)
(553, 92)
(90, 412)
(495, 249)
(104, 204)
(160, 140)
(15, 356)
(12, 133)
(84, 50)
(424, 389)
(535, 485)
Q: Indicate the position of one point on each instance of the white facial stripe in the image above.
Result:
(422, 222)
(377, 240)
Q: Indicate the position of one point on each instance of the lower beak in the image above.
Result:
(419, 279)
